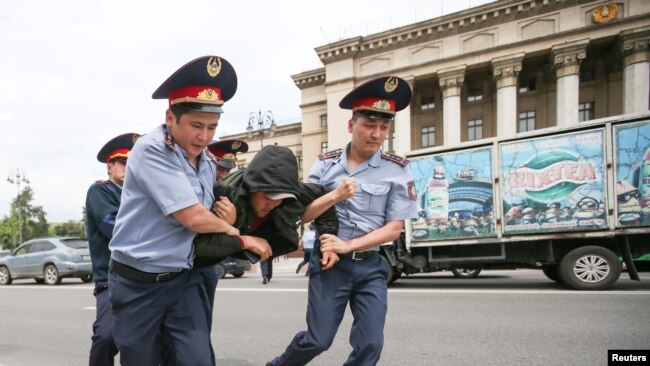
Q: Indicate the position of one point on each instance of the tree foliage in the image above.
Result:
(69, 228)
(32, 218)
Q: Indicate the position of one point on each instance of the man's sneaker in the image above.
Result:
(265, 280)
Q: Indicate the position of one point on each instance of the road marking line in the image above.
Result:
(443, 291)
(90, 308)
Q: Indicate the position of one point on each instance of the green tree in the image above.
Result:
(69, 228)
(32, 220)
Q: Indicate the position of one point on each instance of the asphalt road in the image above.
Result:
(501, 318)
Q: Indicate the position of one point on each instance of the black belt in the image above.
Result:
(137, 275)
(360, 255)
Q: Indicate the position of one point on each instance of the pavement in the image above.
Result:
(282, 266)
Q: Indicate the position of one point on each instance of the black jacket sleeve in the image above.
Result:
(212, 248)
(327, 222)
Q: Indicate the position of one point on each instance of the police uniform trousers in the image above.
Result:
(103, 348)
(266, 268)
(146, 311)
(207, 289)
(362, 283)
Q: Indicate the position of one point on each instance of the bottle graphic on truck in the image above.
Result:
(437, 197)
(644, 181)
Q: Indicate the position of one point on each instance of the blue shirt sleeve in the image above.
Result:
(161, 176)
(400, 206)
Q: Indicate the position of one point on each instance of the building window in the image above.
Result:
(323, 120)
(428, 136)
(323, 147)
(585, 111)
(527, 85)
(474, 94)
(427, 104)
(526, 121)
(474, 129)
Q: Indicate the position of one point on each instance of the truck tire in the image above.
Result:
(552, 272)
(590, 268)
(393, 274)
(466, 272)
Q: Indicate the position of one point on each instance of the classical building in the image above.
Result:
(499, 69)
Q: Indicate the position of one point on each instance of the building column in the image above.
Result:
(636, 72)
(566, 60)
(451, 80)
(505, 71)
(402, 141)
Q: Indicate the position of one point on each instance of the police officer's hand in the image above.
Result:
(225, 210)
(346, 189)
(331, 243)
(258, 246)
(329, 260)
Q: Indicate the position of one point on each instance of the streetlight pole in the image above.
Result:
(261, 120)
(15, 177)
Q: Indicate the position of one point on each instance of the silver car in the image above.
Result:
(48, 260)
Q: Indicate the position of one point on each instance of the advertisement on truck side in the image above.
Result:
(455, 195)
(554, 184)
(632, 167)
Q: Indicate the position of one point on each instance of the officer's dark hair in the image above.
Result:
(180, 109)
(380, 116)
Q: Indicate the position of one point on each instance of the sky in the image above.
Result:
(76, 73)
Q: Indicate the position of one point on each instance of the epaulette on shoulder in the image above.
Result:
(395, 158)
(331, 154)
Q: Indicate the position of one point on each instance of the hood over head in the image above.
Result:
(273, 170)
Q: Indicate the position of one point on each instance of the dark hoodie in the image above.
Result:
(273, 170)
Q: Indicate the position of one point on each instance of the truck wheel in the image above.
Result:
(552, 273)
(390, 277)
(466, 272)
(590, 268)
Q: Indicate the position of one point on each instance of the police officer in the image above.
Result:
(165, 202)
(385, 197)
(102, 203)
(225, 155)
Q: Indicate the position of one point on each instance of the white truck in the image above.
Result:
(573, 202)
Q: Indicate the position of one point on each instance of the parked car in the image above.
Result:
(233, 266)
(4, 253)
(48, 260)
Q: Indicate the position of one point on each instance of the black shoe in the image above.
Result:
(297, 270)
(265, 280)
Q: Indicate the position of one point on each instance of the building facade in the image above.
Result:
(495, 70)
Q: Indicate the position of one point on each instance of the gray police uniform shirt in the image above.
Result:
(159, 181)
(382, 192)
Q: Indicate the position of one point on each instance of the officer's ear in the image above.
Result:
(169, 118)
(350, 124)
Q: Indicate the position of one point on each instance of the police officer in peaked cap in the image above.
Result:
(166, 199)
(102, 203)
(225, 155)
(385, 197)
